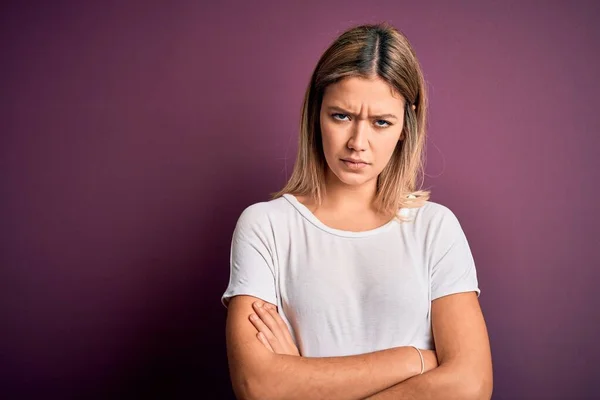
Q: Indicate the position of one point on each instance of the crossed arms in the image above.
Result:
(461, 367)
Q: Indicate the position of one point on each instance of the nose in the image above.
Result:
(359, 140)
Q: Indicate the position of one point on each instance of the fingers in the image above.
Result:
(268, 319)
(260, 325)
(264, 322)
(261, 337)
(265, 333)
(273, 331)
(282, 325)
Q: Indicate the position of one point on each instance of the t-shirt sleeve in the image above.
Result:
(453, 267)
(251, 263)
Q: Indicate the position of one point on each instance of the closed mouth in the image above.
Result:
(354, 161)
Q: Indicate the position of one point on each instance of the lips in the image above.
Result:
(354, 164)
(355, 160)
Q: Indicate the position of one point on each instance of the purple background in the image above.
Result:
(133, 135)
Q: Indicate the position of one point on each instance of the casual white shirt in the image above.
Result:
(345, 293)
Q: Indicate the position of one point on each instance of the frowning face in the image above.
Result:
(361, 123)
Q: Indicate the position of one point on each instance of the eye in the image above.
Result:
(338, 115)
(382, 126)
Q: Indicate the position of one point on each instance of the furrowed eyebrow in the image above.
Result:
(341, 110)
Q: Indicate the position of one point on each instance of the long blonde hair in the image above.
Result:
(367, 51)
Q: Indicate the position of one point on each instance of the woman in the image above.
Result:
(350, 283)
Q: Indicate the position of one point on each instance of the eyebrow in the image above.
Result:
(339, 109)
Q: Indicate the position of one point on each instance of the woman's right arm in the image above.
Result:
(259, 374)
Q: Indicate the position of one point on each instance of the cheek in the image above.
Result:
(385, 148)
(332, 139)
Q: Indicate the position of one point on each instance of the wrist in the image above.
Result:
(421, 366)
(408, 362)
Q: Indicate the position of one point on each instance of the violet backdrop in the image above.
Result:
(133, 134)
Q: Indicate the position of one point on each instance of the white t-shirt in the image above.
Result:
(345, 293)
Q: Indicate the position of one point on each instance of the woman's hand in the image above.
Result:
(272, 330)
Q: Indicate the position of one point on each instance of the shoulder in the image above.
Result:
(261, 215)
(436, 222)
(432, 213)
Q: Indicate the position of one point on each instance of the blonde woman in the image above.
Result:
(350, 283)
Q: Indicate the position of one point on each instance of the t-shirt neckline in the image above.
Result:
(306, 213)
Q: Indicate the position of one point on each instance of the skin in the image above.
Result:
(461, 366)
(360, 119)
(277, 372)
(355, 125)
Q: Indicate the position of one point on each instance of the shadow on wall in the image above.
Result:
(179, 351)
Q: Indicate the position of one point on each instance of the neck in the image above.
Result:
(341, 196)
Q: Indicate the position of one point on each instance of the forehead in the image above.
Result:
(356, 92)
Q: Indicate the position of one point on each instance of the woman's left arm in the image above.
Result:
(463, 351)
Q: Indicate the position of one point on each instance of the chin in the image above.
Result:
(352, 179)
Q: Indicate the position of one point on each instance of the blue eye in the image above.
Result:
(337, 114)
(385, 122)
(340, 117)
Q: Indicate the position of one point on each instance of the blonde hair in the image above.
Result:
(372, 50)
